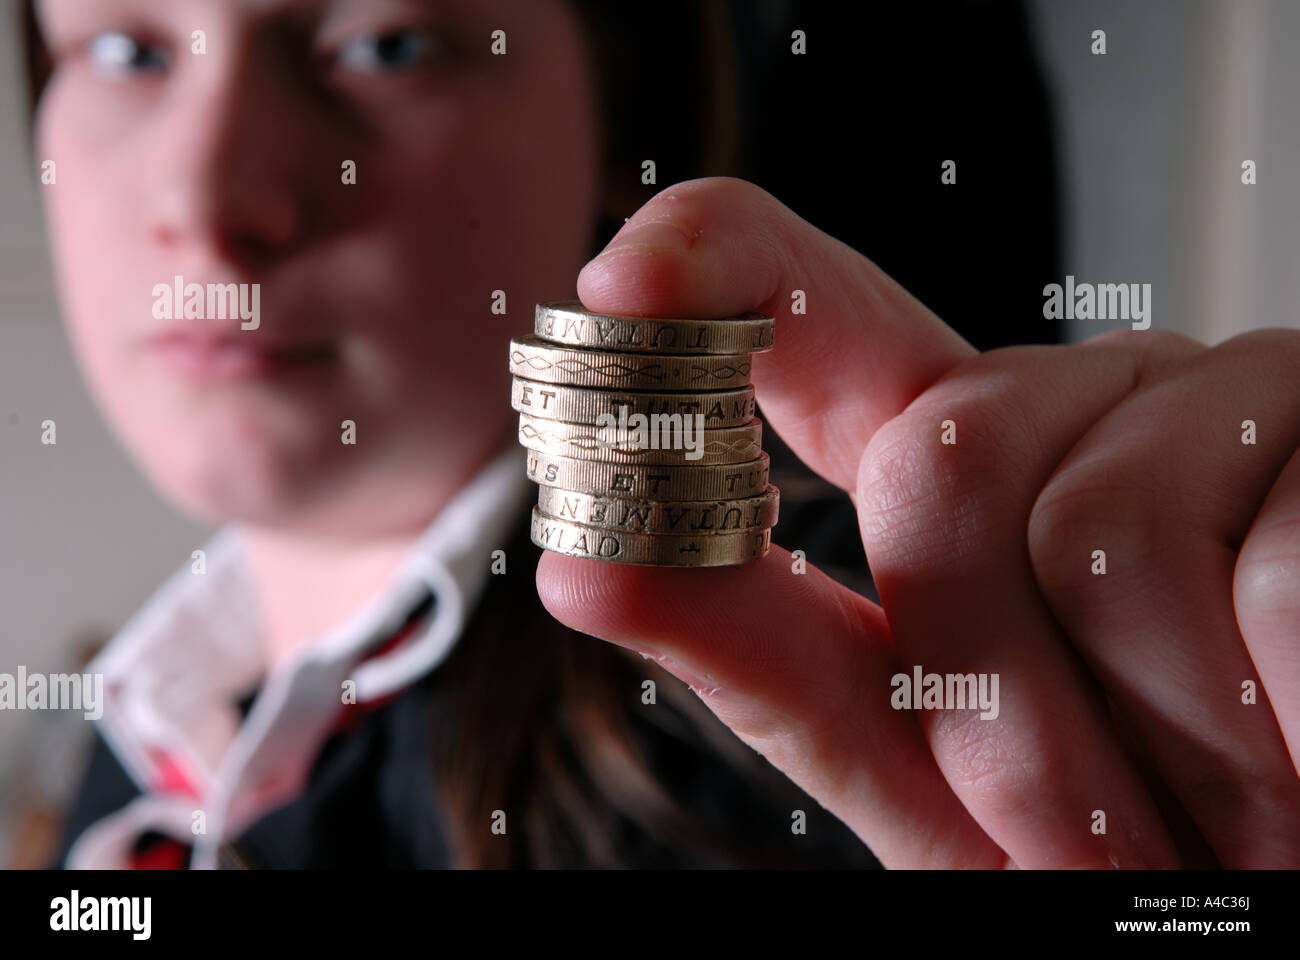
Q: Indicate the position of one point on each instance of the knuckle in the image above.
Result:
(923, 502)
(1156, 351)
(1266, 580)
(1165, 343)
(1271, 342)
(980, 763)
(1090, 507)
(1157, 340)
(1168, 338)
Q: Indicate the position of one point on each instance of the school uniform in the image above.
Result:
(204, 759)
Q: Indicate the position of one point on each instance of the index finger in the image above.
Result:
(720, 246)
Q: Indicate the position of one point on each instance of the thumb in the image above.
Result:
(799, 667)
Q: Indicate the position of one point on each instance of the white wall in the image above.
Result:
(1153, 137)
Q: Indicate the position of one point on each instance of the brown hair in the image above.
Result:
(682, 117)
(535, 719)
(558, 750)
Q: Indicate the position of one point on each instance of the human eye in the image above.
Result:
(389, 51)
(119, 54)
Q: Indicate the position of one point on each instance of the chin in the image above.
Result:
(255, 481)
(223, 496)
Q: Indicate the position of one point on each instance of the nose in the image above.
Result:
(228, 144)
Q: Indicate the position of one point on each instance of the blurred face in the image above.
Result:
(377, 172)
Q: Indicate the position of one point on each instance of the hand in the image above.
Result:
(1120, 692)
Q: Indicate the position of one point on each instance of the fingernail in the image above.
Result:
(651, 233)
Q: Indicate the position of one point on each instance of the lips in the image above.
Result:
(203, 355)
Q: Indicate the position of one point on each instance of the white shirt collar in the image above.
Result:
(173, 671)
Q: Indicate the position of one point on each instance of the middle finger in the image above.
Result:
(1169, 499)
(944, 527)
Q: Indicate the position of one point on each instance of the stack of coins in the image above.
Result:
(642, 436)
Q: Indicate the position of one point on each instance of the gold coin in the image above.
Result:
(533, 358)
(661, 516)
(661, 441)
(550, 401)
(567, 321)
(661, 550)
(724, 481)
